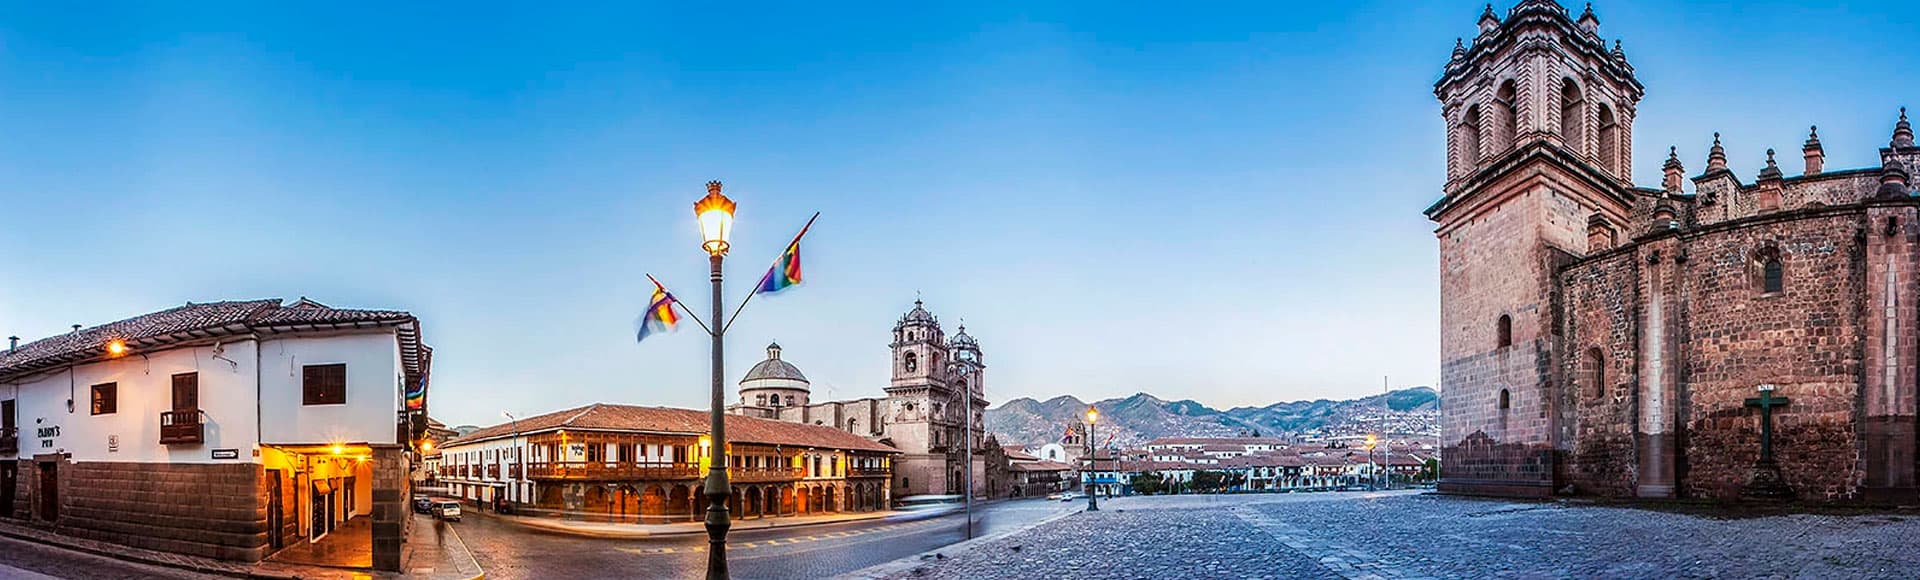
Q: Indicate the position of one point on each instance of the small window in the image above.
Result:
(324, 384)
(1506, 400)
(1505, 331)
(105, 398)
(1594, 371)
(912, 362)
(789, 400)
(1773, 280)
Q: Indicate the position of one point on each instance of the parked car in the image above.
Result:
(422, 505)
(446, 509)
(1072, 496)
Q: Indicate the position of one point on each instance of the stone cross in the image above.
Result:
(1766, 402)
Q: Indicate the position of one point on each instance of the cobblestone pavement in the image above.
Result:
(508, 551)
(1423, 536)
(24, 560)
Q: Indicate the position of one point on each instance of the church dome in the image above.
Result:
(773, 370)
(963, 340)
(918, 315)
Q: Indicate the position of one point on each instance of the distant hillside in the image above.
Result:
(1143, 417)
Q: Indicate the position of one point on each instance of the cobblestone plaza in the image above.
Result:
(1410, 535)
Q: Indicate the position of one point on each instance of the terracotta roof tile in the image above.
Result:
(741, 428)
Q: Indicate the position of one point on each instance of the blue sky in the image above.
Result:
(1219, 203)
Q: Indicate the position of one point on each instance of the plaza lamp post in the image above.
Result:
(715, 213)
(522, 473)
(965, 366)
(1093, 500)
(1374, 480)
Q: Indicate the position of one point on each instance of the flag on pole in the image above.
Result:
(1109, 440)
(785, 272)
(660, 316)
(1068, 435)
(417, 392)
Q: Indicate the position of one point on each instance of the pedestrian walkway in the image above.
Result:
(611, 530)
(427, 556)
(348, 546)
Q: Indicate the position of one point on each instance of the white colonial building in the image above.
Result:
(226, 429)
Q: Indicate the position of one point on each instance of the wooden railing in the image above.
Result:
(869, 472)
(610, 470)
(604, 470)
(181, 426)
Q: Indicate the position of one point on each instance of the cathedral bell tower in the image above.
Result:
(1539, 113)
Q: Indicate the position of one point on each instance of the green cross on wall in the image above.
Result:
(1766, 402)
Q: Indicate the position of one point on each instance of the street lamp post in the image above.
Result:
(1093, 499)
(1373, 479)
(515, 481)
(715, 212)
(965, 368)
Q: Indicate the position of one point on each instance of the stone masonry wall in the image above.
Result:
(1806, 339)
(1601, 302)
(211, 510)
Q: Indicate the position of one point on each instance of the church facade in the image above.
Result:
(923, 415)
(1603, 338)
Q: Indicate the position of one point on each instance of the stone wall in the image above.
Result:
(212, 510)
(1600, 326)
(1807, 339)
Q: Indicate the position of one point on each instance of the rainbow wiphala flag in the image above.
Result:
(660, 316)
(785, 272)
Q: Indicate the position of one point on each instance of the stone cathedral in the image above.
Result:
(1603, 338)
(923, 413)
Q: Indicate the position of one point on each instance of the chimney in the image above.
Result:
(76, 328)
(13, 343)
(1816, 156)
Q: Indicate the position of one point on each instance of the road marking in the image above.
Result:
(785, 541)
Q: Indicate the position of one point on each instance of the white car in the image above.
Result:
(927, 506)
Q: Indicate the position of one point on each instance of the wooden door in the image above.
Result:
(186, 392)
(9, 481)
(275, 516)
(49, 490)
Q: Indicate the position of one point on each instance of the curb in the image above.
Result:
(469, 551)
(886, 569)
(539, 524)
(136, 558)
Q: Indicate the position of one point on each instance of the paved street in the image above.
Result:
(508, 551)
(20, 559)
(1358, 535)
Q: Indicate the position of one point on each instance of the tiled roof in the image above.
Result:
(1039, 466)
(193, 322)
(1014, 452)
(1216, 441)
(740, 428)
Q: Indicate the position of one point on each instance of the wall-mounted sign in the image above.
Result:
(113, 443)
(226, 454)
(47, 435)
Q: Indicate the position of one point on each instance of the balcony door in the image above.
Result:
(186, 394)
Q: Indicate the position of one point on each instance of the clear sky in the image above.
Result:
(1219, 203)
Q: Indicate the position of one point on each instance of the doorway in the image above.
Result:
(275, 516)
(320, 511)
(9, 482)
(49, 490)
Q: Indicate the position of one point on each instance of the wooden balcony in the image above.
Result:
(179, 427)
(610, 470)
(10, 440)
(627, 471)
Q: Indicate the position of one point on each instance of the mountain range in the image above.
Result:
(1143, 417)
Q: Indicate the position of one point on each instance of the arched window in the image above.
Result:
(760, 400)
(1509, 131)
(1609, 140)
(1593, 373)
(911, 362)
(1772, 278)
(1506, 400)
(789, 400)
(1470, 140)
(1573, 121)
(1504, 331)
(851, 424)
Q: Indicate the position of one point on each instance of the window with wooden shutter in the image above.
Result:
(105, 398)
(186, 392)
(324, 384)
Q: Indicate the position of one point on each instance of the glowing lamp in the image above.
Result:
(339, 449)
(116, 347)
(716, 219)
(1093, 415)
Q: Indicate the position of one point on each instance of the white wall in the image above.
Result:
(144, 389)
(373, 389)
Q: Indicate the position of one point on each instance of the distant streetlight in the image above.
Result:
(1093, 500)
(1374, 476)
(715, 213)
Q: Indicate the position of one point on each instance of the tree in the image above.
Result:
(1431, 470)
(1149, 483)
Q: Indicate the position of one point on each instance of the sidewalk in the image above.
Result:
(423, 559)
(607, 530)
